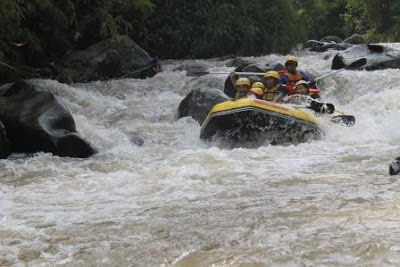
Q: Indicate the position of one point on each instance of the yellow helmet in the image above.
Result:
(259, 85)
(257, 90)
(243, 81)
(293, 59)
(302, 82)
(272, 73)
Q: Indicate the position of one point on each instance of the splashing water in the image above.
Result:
(179, 201)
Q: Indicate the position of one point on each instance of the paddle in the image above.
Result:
(328, 108)
(201, 73)
(321, 107)
(356, 64)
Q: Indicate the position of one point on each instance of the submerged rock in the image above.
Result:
(36, 121)
(136, 138)
(394, 167)
(199, 102)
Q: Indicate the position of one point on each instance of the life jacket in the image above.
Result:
(293, 79)
(269, 94)
(314, 92)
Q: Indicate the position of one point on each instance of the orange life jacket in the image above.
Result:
(293, 79)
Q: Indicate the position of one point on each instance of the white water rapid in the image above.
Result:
(178, 201)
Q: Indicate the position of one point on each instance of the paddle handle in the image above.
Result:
(328, 74)
(243, 73)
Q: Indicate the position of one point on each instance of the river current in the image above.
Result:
(179, 201)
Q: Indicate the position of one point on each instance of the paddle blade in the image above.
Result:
(321, 107)
(357, 64)
(346, 120)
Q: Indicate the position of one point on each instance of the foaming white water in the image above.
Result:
(177, 200)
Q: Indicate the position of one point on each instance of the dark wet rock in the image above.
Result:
(278, 66)
(332, 38)
(248, 66)
(394, 167)
(326, 57)
(378, 56)
(355, 39)
(240, 62)
(333, 43)
(227, 57)
(193, 70)
(256, 67)
(338, 62)
(36, 121)
(4, 143)
(113, 57)
(229, 88)
(319, 46)
(136, 138)
(199, 102)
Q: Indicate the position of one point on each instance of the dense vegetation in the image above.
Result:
(189, 28)
(376, 20)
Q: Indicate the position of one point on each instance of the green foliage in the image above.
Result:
(205, 28)
(191, 28)
(322, 17)
(52, 26)
(377, 20)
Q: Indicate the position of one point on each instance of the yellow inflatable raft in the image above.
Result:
(253, 119)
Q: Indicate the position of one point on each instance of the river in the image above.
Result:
(179, 201)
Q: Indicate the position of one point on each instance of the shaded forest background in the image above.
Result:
(189, 28)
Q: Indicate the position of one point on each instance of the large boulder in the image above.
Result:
(36, 121)
(113, 57)
(240, 62)
(199, 102)
(245, 66)
(378, 56)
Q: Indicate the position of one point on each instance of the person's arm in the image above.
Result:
(307, 78)
(284, 80)
(282, 93)
(234, 77)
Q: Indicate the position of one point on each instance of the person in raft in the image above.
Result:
(300, 94)
(242, 86)
(273, 91)
(257, 90)
(290, 76)
(244, 90)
